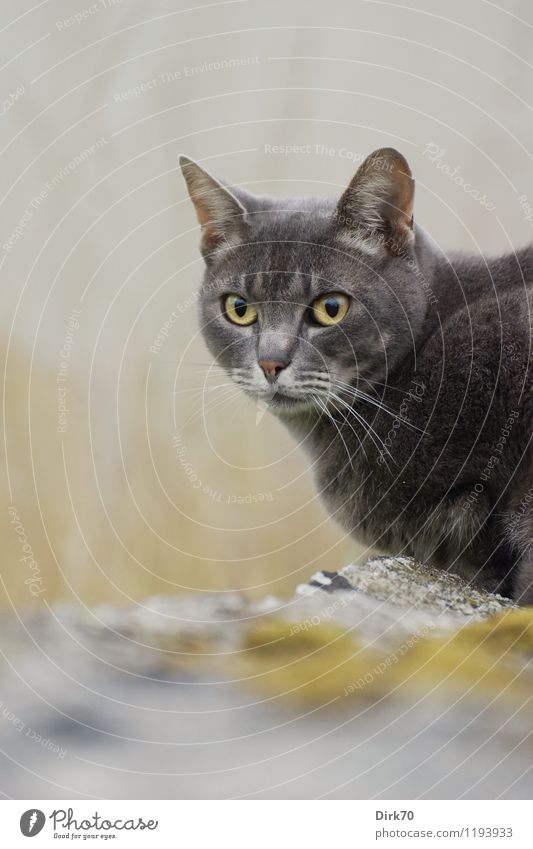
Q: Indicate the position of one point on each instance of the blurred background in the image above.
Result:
(129, 467)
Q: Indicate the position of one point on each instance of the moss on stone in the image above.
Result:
(325, 663)
(315, 664)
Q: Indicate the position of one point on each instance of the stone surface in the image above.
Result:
(386, 680)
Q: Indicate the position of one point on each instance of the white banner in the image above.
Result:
(268, 824)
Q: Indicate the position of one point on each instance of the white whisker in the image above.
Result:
(358, 393)
(324, 408)
(345, 419)
(376, 439)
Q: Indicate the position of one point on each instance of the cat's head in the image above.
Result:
(304, 296)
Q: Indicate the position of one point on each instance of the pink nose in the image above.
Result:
(272, 369)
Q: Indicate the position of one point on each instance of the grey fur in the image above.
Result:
(436, 461)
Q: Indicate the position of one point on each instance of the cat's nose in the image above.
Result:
(272, 368)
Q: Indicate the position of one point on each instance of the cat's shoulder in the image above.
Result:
(489, 337)
(490, 318)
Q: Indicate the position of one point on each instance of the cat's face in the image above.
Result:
(303, 299)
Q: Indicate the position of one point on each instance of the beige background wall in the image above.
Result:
(153, 484)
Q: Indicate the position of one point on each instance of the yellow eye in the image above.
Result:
(330, 309)
(239, 311)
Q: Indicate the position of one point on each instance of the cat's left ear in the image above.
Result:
(219, 212)
(379, 202)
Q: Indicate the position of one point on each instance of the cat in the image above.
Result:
(404, 373)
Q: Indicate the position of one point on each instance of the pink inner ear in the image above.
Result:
(201, 214)
(405, 200)
(205, 220)
(210, 234)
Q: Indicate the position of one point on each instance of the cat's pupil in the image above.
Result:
(331, 306)
(240, 307)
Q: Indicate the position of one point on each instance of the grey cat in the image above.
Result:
(405, 374)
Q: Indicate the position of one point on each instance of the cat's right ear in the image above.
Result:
(220, 214)
(377, 207)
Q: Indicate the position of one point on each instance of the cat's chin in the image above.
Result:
(285, 405)
(282, 404)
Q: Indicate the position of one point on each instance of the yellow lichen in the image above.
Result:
(325, 663)
(315, 664)
(511, 630)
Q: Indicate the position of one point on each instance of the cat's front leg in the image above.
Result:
(457, 517)
(457, 533)
(518, 531)
(523, 589)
